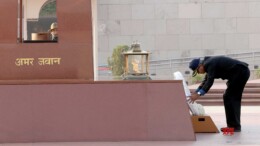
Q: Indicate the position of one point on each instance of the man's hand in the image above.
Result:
(193, 97)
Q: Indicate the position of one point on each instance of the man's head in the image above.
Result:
(54, 30)
(196, 66)
(54, 26)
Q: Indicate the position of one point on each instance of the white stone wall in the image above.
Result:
(179, 28)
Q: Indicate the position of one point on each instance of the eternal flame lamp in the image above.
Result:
(136, 63)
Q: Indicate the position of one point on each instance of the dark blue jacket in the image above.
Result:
(219, 67)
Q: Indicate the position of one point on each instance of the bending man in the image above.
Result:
(237, 74)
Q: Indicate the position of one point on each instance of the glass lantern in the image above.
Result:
(136, 64)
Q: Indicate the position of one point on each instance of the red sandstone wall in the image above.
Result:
(74, 46)
(107, 111)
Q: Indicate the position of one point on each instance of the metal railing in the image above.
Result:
(164, 68)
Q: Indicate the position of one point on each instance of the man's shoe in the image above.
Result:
(225, 129)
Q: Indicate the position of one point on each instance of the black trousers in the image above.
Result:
(233, 95)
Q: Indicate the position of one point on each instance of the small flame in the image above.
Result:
(135, 63)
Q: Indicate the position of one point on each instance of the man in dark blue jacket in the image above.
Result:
(236, 72)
